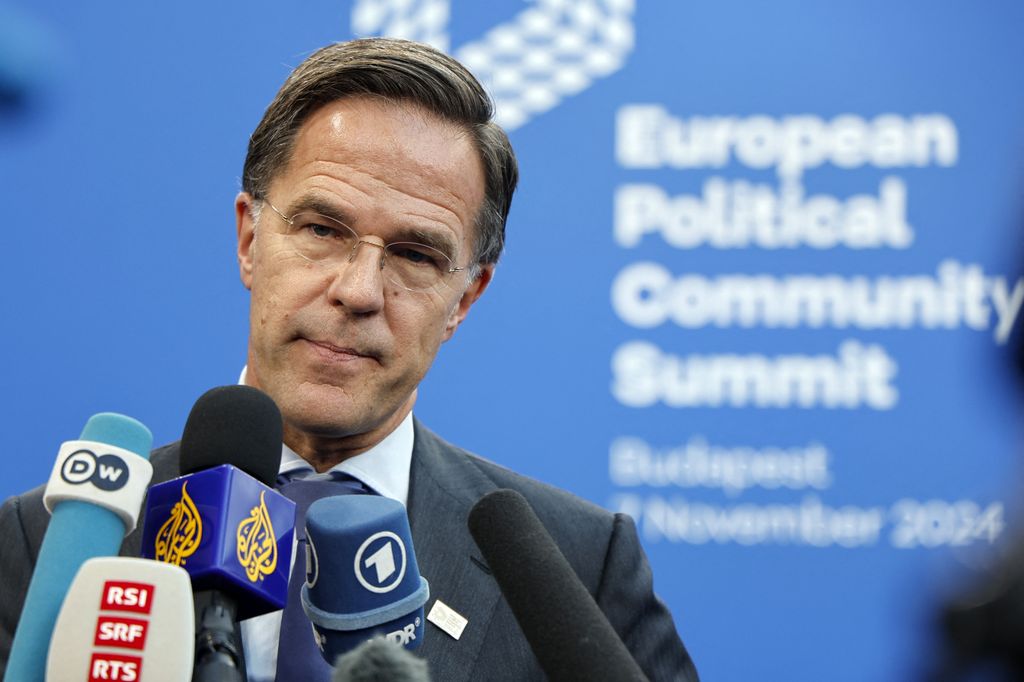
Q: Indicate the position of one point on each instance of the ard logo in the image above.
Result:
(257, 543)
(380, 562)
(181, 533)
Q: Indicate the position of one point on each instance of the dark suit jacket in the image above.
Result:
(445, 483)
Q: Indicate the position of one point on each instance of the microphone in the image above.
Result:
(566, 629)
(378, 660)
(94, 495)
(362, 579)
(124, 619)
(222, 522)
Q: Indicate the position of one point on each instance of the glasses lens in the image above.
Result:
(417, 267)
(320, 238)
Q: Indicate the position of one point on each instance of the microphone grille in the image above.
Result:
(237, 425)
(501, 522)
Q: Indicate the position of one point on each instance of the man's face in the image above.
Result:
(341, 349)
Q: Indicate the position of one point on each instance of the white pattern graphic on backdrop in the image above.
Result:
(530, 64)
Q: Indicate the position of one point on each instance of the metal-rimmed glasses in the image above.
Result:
(330, 242)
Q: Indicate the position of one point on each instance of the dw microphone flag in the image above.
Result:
(94, 496)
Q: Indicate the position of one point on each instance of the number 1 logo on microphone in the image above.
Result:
(383, 567)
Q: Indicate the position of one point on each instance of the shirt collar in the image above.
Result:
(384, 467)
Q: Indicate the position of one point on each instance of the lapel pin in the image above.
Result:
(447, 618)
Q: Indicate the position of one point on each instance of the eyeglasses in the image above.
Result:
(329, 242)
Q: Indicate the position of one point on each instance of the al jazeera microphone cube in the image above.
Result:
(228, 530)
(362, 579)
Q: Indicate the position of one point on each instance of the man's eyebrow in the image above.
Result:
(436, 240)
(318, 205)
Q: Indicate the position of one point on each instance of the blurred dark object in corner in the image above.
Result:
(983, 627)
(27, 61)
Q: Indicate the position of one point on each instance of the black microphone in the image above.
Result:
(566, 629)
(223, 523)
(380, 660)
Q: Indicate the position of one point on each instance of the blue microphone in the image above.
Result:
(222, 522)
(94, 496)
(229, 531)
(362, 579)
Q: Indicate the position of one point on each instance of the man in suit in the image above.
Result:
(372, 213)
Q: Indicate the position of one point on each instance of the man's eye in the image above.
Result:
(416, 255)
(320, 230)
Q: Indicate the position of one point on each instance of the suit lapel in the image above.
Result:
(444, 485)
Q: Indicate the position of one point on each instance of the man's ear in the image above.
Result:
(472, 293)
(246, 228)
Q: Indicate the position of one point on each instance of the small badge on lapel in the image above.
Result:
(446, 618)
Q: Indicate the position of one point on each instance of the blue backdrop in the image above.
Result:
(761, 288)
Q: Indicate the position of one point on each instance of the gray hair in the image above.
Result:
(399, 71)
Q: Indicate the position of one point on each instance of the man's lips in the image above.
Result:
(341, 353)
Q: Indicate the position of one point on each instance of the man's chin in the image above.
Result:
(325, 411)
(328, 416)
(327, 420)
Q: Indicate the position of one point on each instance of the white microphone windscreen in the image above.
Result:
(125, 619)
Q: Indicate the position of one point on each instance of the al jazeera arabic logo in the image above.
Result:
(181, 533)
(257, 543)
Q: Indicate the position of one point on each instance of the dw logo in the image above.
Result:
(106, 472)
(380, 562)
(529, 64)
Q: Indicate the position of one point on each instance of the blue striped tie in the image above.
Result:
(298, 658)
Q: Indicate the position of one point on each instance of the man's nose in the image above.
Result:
(359, 283)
